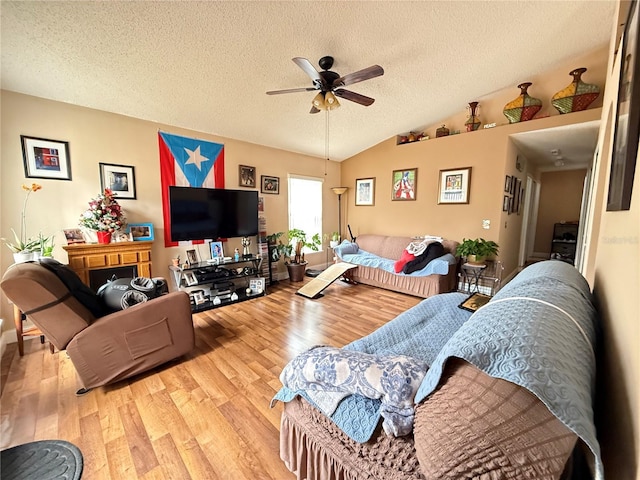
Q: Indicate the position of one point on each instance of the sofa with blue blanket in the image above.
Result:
(443, 393)
(379, 256)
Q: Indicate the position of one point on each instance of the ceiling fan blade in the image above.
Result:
(291, 90)
(359, 76)
(354, 97)
(308, 68)
(314, 110)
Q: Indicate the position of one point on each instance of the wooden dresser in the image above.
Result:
(85, 257)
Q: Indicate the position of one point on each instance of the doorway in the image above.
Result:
(560, 149)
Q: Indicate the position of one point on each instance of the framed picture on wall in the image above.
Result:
(246, 176)
(404, 184)
(627, 129)
(505, 203)
(507, 183)
(44, 158)
(365, 191)
(120, 179)
(454, 185)
(269, 184)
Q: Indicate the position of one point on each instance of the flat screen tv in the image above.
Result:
(203, 213)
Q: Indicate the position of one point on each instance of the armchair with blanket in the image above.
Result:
(104, 348)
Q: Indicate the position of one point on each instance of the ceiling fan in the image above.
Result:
(330, 84)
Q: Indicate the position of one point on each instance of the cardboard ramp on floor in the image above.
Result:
(326, 278)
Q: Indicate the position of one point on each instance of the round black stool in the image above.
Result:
(42, 460)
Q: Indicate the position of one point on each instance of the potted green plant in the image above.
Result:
(22, 246)
(291, 250)
(335, 240)
(477, 250)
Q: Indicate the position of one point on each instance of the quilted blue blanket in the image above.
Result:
(538, 332)
(438, 265)
(420, 332)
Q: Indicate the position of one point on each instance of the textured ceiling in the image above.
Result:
(206, 66)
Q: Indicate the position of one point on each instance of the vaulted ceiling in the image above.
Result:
(206, 66)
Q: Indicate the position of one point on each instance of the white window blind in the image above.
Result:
(305, 205)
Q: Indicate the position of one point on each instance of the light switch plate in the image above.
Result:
(486, 224)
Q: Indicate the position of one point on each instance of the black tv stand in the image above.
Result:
(204, 282)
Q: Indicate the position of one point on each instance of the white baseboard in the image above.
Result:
(6, 338)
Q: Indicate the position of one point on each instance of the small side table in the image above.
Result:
(21, 332)
(471, 274)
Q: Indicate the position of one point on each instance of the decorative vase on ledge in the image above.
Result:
(577, 95)
(442, 131)
(524, 107)
(473, 122)
(104, 237)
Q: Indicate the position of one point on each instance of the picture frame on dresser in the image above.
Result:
(141, 231)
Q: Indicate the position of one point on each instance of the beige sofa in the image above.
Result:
(391, 247)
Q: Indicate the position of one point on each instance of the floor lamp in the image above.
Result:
(339, 191)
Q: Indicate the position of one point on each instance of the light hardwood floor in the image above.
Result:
(203, 416)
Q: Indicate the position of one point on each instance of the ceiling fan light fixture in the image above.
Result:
(319, 101)
(330, 101)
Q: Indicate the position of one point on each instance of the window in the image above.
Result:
(305, 205)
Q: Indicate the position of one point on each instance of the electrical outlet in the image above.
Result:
(486, 224)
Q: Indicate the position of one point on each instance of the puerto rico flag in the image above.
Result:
(187, 162)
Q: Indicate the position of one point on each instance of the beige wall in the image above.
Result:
(560, 200)
(613, 265)
(95, 136)
(491, 155)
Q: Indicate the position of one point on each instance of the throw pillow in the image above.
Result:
(433, 251)
(406, 257)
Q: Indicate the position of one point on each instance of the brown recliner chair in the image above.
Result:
(105, 349)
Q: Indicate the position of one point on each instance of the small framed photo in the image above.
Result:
(120, 179)
(474, 302)
(216, 250)
(141, 231)
(192, 257)
(454, 185)
(257, 285)
(44, 158)
(246, 176)
(507, 183)
(190, 278)
(404, 184)
(269, 184)
(505, 203)
(73, 235)
(365, 191)
(198, 298)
